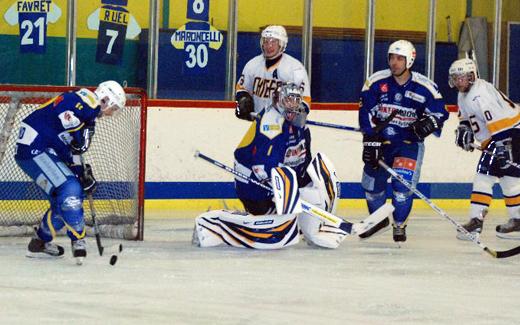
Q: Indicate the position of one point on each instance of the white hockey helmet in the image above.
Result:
(462, 67)
(277, 32)
(404, 48)
(112, 92)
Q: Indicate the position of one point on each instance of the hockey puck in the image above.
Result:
(113, 259)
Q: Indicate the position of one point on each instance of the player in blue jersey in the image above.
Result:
(48, 149)
(400, 144)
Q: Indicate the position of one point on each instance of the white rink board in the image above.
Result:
(175, 133)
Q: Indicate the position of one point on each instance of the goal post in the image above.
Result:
(117, 155)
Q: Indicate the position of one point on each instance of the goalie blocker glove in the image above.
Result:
(245, 106)
(372, 150)
(425, 126)
(464, 136)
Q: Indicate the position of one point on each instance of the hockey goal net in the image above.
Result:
(117, 156)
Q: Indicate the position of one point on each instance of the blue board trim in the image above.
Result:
(225, 190)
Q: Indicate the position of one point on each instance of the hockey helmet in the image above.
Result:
(113, 94)
(276, 32)
(287, 99)
(404, 48)
(462, 68)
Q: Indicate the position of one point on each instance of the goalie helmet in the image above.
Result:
(462, 68)
(404, 48)
(113, 94)
(276, 32)
(287, 99)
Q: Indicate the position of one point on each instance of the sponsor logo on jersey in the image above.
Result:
(69, 120)
(404, 163)
(295, 155)
(383, 87)
(264, 222)
(415, 96)
(398, 97)
(271, 127)
(405, 115)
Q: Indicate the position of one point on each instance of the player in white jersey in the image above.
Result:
(264, 73)
(488, 116)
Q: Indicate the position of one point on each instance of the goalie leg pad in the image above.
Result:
(376, 223)
(243, 230)
(324, 179)
(319, 233)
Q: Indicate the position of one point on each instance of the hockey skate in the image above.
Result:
(79, 250)
(473, 226)
(399, 233)
(509, 230)
(37, 248)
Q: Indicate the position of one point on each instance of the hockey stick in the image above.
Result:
(474, 238)
(114, 257)
(334, 126)
(376, 129)
(487, 152)
(351, 228)
(93, 212)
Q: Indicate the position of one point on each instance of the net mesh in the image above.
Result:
(114, 156)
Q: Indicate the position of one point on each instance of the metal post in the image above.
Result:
(369, 38)
(71, 43)
(307, 37)
(496, 43)
(231, 50)
(430, 44)
(153, 50)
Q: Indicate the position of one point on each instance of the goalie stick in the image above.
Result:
(474, 238)
(298, 205)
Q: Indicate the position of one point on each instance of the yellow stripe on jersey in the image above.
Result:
(76, 129)
(249, 136)
(503, 124)
(47, 103)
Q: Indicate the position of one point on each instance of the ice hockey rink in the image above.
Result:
(431, 279)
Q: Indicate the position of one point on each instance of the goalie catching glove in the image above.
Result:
(425, 126)
(464, 136)
(372, 150)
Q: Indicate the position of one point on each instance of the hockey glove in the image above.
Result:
(245, 106)
(81, 146)
(87, 180)
(425, 126)
(372, 150)
(464, 136)
(504, 152)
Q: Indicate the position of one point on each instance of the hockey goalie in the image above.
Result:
(297, 191)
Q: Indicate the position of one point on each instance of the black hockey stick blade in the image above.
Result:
(503, 254)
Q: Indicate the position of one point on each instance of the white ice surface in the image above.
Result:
(432, 279)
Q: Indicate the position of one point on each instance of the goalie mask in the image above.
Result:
(111, 96)
(273, 34)
(287, 99)
(403, 48)
(462, 74)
